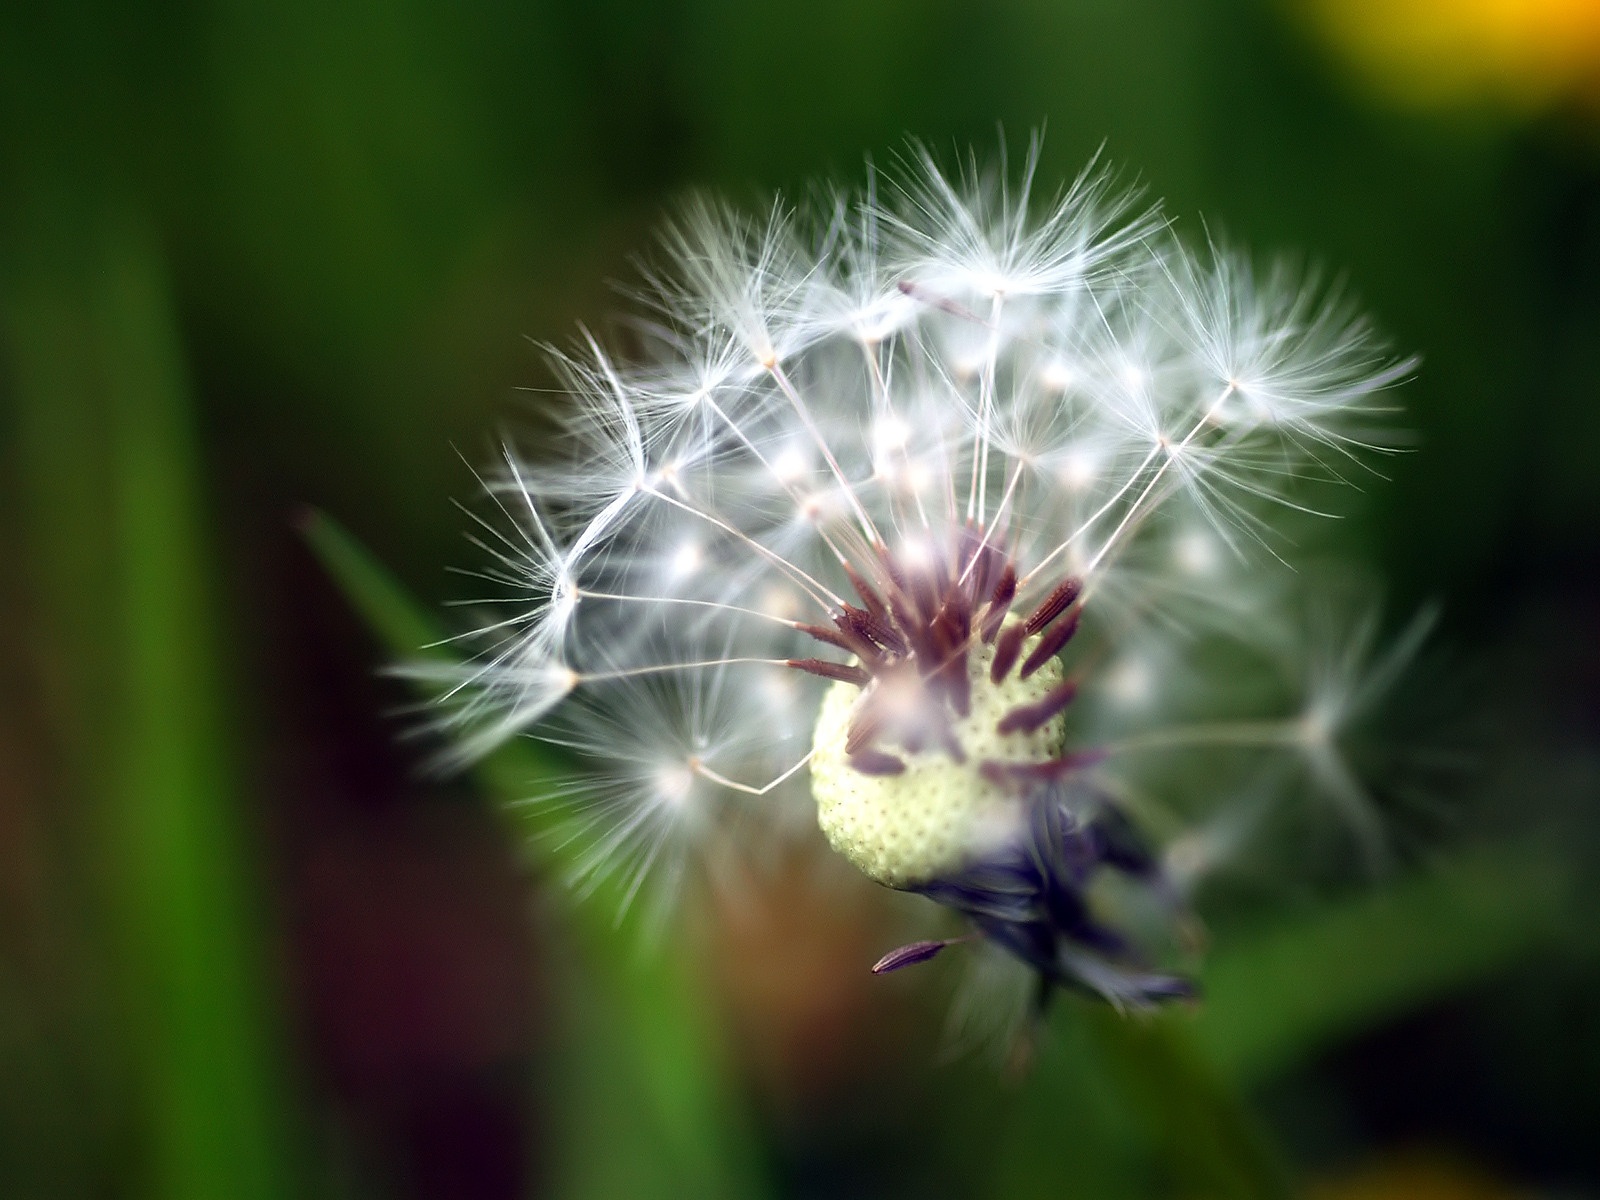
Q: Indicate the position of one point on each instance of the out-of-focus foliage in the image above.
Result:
(103, 425)
(638, 1065)
(254, 258)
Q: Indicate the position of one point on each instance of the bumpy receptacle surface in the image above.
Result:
(928, 821)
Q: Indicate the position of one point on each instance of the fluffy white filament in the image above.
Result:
(881, 372)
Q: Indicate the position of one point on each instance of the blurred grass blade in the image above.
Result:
(645, 1109)
(1274, 1001)
(397, 622)
(1213, 1143)
(406, 632)
(1124, 1106)
(100, 380)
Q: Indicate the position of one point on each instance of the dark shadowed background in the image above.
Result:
(260, 261)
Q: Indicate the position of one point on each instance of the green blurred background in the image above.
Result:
(260, 261)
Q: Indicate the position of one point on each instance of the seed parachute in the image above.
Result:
(922, 510)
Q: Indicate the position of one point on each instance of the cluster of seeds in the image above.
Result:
(822, 546)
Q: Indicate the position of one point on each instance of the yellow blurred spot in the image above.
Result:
(1526, 53)
(1415, 1176)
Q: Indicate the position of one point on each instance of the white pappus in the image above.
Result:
(920, 511)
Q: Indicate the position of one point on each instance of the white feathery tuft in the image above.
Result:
(937, 365)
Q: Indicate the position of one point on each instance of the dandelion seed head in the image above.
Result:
(897, 475)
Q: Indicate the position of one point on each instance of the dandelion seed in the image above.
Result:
(902, 488)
